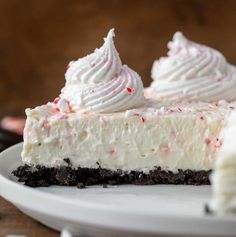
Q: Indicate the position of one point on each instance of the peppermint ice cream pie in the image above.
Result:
(102, 129)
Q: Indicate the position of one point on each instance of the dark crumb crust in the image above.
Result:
(42, 176)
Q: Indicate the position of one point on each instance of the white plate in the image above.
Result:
(125, 210)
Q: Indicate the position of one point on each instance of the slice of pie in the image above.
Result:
(102, 129)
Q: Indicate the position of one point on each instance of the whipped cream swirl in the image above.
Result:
(224, 178)
(100, 83)
(193, 72)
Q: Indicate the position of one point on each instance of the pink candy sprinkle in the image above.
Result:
(56, 100)
(112, 152)
(218, 144)
(207, 141)
(129, 89)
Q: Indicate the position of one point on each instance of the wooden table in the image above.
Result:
(12, 221)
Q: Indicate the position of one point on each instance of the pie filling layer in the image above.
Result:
(181, 139)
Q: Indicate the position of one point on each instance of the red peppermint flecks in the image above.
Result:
(57, 109)
(218, 144)
(56, 100)
(112, 152)
(207, 141)
(201, 117)
(129, 89)
(136, 114)
(68, 65)
(142, 119)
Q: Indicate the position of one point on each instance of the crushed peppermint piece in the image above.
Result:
(207, 141)
(136, 114)
(57, 109)
(201, 117)
(142, 119)
(56, 100)
(218, 144)
(129, 89)
(112, 152)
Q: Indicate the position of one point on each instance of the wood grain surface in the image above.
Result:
(12, 221)
(39, 38)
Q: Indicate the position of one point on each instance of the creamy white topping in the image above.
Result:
(193, 71)
(224, 175)
(100, 83)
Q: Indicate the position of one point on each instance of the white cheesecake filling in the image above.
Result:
(172, 136)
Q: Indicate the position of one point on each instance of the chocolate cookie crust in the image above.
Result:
(42, 176)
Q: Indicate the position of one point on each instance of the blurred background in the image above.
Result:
(39, 38)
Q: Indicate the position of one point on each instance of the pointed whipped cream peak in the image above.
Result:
(179, 37)
(193, 71)
(99, 66)
(99, 82)
(110, 36)
(179, 40)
